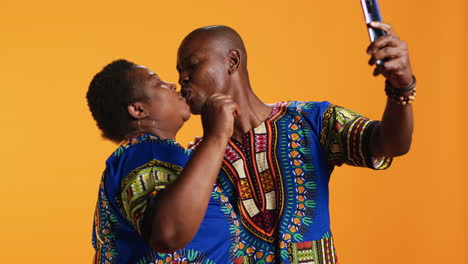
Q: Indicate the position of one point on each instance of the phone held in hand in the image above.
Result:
(372, 13)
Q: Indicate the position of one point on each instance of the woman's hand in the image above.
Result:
(218, 114)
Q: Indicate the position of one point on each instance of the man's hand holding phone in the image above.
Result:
(393, 52)
(388, 53)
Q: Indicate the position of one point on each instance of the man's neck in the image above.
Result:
(253, 112)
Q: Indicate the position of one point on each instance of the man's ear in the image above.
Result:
(234, 61)
(136, 110)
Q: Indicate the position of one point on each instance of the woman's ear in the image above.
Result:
(136, 110)
(234, 61)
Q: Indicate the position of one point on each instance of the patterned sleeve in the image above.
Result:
(142, 185)
(345, 138)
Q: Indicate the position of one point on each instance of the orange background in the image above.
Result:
(52, 155)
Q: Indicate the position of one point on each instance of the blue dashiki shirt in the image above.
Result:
(277, 180)
(138, 170)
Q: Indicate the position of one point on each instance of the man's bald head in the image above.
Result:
(216, 38)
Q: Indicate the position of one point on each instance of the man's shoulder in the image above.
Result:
(307, 107)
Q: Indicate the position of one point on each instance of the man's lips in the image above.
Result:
(186, 94)
(181, 97)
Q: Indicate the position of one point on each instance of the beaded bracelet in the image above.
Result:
(396, 94)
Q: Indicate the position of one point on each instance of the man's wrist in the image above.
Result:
(401, 96)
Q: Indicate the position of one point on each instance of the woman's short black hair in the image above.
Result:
(109, 94)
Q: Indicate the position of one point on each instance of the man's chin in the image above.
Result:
(195, 110)
(187, 118)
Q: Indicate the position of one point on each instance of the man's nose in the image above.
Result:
(183, 79)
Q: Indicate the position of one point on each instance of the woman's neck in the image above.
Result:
(149, 128)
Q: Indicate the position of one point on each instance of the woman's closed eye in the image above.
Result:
(167, 85)
(163, 85)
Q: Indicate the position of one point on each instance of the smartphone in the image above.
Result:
(372, 13)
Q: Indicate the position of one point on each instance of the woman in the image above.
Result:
(149, 209)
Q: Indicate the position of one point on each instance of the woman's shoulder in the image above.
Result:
(144, 151)
(148, 147)
(148, 141)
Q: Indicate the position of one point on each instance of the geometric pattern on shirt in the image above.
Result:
(182, 255)
(303, 179)
(309, 252)
(253, 169)
(293, 143)
(313, 252)
(148, 179)
(104, 240)
(345, 138)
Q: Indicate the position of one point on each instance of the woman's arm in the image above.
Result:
(182, 205)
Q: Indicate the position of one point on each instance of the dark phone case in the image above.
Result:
(372, 13)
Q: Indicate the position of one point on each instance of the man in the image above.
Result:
(279, 159)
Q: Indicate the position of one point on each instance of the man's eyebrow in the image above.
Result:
(187, 58)
(179, 66)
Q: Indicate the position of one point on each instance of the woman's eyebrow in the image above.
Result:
(153, 75)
